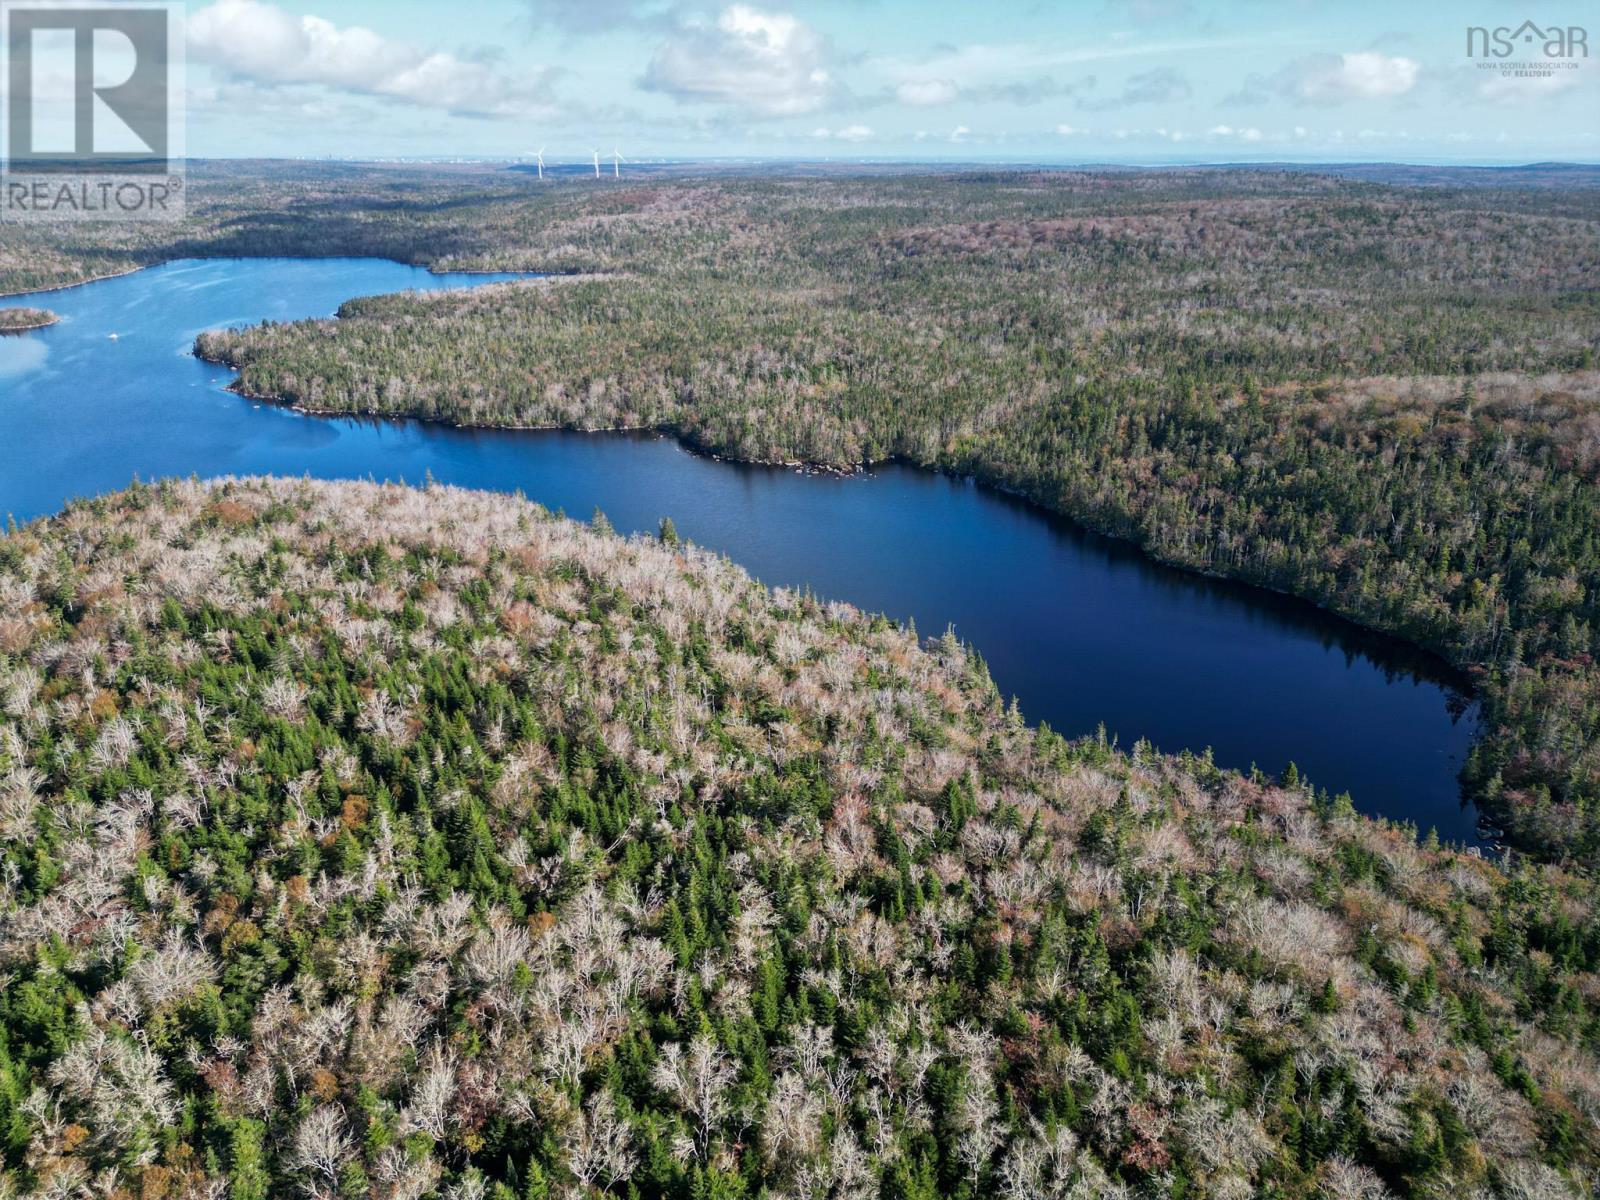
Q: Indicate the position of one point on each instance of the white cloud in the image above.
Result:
(767, 61)
(924, 93)
(1160, 85)
(1361, 75)
(266, 45)
(1221, 131)
(1515, 89)
(850, 133)
(1068, 130)
(975, 64)
(959, 133)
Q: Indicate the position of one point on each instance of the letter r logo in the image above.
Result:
(88, 86)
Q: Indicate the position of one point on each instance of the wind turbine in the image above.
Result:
(539, 154)
(616, 163)
(597, 164)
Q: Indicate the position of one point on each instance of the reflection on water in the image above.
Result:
(1083, 630)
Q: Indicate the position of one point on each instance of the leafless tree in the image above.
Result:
(699, 1083)
(599, 1145)
(321, 1146)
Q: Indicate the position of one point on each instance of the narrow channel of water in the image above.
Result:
(1082, 630)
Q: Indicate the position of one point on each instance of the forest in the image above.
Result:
(1379, 398)
(369, 841)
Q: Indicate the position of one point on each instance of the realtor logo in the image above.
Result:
(1528, 56)
(93, 122)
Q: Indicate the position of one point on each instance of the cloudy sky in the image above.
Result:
(1102, 80)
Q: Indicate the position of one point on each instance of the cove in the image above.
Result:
(1082, 630)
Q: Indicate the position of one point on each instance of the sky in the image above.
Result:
(1099, 81)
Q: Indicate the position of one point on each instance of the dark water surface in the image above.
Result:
(1081, 629)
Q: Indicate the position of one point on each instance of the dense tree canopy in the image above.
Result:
(366, 841)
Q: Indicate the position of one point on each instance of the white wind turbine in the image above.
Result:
(616, 163)
(539, 154)
(597, 164)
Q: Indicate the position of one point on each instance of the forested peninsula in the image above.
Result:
(22, 320)
(371, 841)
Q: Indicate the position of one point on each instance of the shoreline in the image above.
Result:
(62, 287)
(1457, 675)
(568, 276)
(50, 319)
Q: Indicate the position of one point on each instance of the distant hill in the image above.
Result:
(1532, 175)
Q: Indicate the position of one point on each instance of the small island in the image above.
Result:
(21, 320)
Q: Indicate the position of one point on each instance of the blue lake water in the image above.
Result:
(1084, 631)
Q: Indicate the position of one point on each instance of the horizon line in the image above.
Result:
(586, 160)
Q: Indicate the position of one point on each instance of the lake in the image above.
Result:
(1084, 631)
